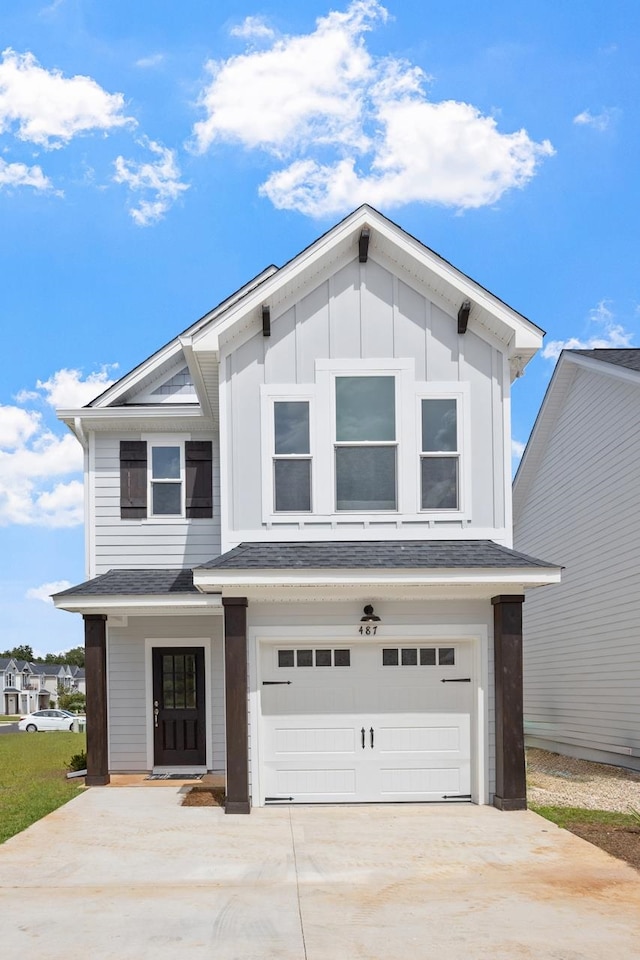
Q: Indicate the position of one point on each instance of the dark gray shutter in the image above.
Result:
(133, 479)
(199, 478)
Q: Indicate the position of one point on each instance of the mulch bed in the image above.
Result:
(620, 841)
(204, 797)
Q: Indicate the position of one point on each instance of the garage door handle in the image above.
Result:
(362, 732)
(274, 683)
(457, 680)
(371, 735)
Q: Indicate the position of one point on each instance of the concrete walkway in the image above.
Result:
(130, 874)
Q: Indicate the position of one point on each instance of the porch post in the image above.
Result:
(95, 644)
(236, 690)
(511, 787)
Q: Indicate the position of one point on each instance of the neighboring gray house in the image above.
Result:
(576, 501)
(299, 543)
(28, 686)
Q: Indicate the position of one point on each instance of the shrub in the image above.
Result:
(77, 762)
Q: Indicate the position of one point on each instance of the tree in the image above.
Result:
(24, 652)
(72, 700)
(75, 657)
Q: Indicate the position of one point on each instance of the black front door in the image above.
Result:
(179, 706)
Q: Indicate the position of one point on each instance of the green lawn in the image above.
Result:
(567, 817)
(33, 768)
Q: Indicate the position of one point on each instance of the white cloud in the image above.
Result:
(517, 449)
(253, 28)
(352, 127)
(40, 470)
(20, 175)
(27, 471)
(161, 178)
(16, 426)
(154, 60)
(609, 333)
(68, 388)
(599, 121)
(50, 109)
(44, 591)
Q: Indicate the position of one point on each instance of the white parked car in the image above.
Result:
(50, 720)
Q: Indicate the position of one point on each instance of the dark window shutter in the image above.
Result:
(133, 479)
(198, 455)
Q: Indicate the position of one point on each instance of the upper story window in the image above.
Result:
(366, 438)
(440, 454)
(166, 480)
(365, 443)
(292, 460)
(10, 680)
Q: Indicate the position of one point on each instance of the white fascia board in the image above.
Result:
(530, 577)
(130, 604)
(522, 335)
(196, 374)
(613, 370)
(102, 417)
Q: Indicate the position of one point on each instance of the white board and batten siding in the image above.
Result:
(150, 543)
(582, 637)
(364, 313)
(130, 708)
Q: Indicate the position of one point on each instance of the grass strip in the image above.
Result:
(567, 817)
(33, 781)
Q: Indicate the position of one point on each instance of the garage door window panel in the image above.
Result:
(309, 657)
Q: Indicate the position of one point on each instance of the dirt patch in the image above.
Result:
(204, 797)
(620, 841)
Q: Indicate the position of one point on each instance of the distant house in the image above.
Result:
(34, 686)
(300, 564)
(576, 501)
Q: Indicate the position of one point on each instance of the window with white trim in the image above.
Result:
(292, 457)
(439, 454)
(166, 480)
(365, 446)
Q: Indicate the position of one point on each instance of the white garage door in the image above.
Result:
(366, 722)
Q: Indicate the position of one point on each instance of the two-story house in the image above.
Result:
(298, 538)
(34, 686)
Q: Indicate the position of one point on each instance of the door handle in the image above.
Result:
(155, 716)
(362, 732)
(371, 735)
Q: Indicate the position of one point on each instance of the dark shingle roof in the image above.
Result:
(623, 358)
(381, 554)
(134, 582)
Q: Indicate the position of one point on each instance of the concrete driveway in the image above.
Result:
(129, 873)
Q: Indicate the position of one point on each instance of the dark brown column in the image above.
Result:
(511, 786)
(236, 688)
(95, 651)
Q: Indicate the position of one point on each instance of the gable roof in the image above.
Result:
(618, 363)
(242, 311)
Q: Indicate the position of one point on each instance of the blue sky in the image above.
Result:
(154, 157)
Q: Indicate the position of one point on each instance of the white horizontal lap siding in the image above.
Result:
(364, 312)
(145, 543)
(128, 713)
(582, 656)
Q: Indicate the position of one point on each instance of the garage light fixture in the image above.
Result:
(369, 615)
